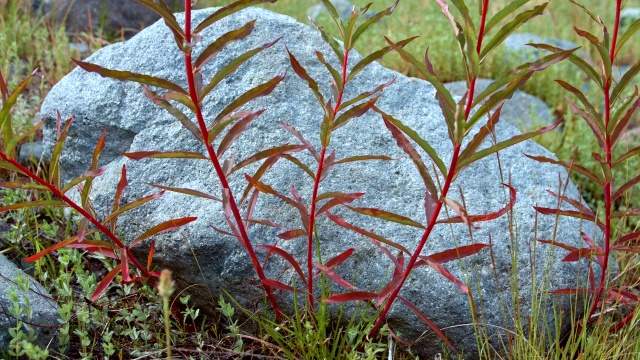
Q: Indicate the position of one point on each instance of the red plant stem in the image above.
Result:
(82, 212)
(445, 191)
(193, 93)
(316, 185)
(608, 186)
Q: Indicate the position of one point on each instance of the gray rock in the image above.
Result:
(516, 44)
(45, 310)
(343, 7)
(30, 150)
(524, 111)
(628, 16)
(134, 124)
(89, 15)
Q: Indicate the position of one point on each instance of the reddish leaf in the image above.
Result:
(25, 205)
(352, 296)
(104, 283)
(152, 252)
(277, 150)
(593, 246)
(129, 76)
(444, 272)
(633, 249)
(220, 43)
(262, 187)
(162, 227)
(226, 11)
(389, 288)
(132, 205)
(366, 233)
(52, 248)
(569, 291)
(634, 236)
(570, 213)
(302, 73)
(398, 267)
(428, 321)
(339, 259)
(285, 255)
(186, 191)
(299, 136)
(90, 175)
(338, 200)
(569, 166)
(126, 274)
(385, 215)
(164, 155)
(334, 276)
(454, 254)
(583, 253)
(559, 244)
(292, 234)
(236, 130)
(279, 285)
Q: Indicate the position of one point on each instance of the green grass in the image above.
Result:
(130, 322)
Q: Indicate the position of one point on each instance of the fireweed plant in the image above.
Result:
(229, 124)
(607, 126)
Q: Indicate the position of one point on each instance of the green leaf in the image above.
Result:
(334, 14)
(633, 28)
(5, 113)
(576, 60)
(162, 227)
(132, 205)
(186, 191)
(442, 91)
(337, 78)
(629, 154)
(231, 67)
(482, 134)
(355, 111)
(267, 189)
(406, 146)
(374, 56)
(276, 150)
(32, 204)
(596, 125)
(236, 130)
(503, 13)
(504, 144)
(228, 10)
(602, 50)
(302, 73)
(359, 158)
(54, 165)
(583, 99)
(220, 43)
(622, 123)
(365, 95)
(386, 215)
(184, 119)
(163, 10)
(569, 166)
(510, 27)
(139, 155)
(419, 140)
(263, 89)
(130, 76)
(625, 81)
(337, 50)
(18, 138)
(91, 174)
(372, 20)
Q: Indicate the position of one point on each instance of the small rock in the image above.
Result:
(343, 7)
(30, 150)
(628, 16)
(45, 310)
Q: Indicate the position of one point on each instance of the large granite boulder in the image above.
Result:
(134, 123)
(44, 319)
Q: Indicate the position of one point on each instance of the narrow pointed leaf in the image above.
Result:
(231, 67)
(510, 27)
(602, 50)
(428, 322)
(626, 79)
(621, 124)
(162, 227)
(440, 269)
(139, 155)
(485, 217)
(86, 176)
(20, 138)
(570, 213)
(583, 99)
(482, 134)
(51, 249)
(132, 205)
(372, 20)
(184, 119)
(457, 253)
(559, 244)
(584, 253)
(503, 13)
(186, 191)
(163, 10)
(571, 167)
(355, 111)
(505, 144)
(629, 154)
(334, 276)
(631, 30)
(386, 215)
(374, 56)
(285, 255)
(302, 73)
(388, 289)
(263, 89)
(352, 296)
(337, 78)
(130, 76)
(631, 237)
(236, 130)
(292, 234)
(365, 95)
(299, 136)
(266, 165)
(338, 200)
(226, 11)
(359, 158)
(283, 149)
(7, 105)
(32, 204)
(339, 259)
(576, 60)
(105, 282)
(569, 291)
(262, 187)
(366, 233)
(152, 252)
(215, 47)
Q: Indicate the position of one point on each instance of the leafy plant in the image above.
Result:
(607, 127)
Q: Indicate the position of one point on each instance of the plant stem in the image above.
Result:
(82, 212)
(608, 186)
(193, 94)
(445, 189)
(316, 185)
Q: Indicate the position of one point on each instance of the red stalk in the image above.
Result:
(84, 213)
(193, 94)
(608, 186)
(316, 185)
(445, 190)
